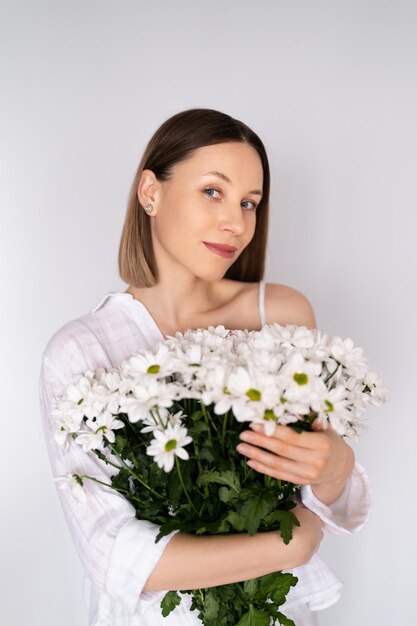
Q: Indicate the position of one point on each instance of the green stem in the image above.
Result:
(224, 430)
(332, 374)
(183, 485)
(138, 478)
(248, 471)
(208, 421)
(96, 480)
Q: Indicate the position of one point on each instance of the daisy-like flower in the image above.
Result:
(159, 420)
(378, 393)
(290, 336)
(80, 400)
(167, 444)
(74, 483)
(145, 396)
(147, 363)
(111, 385)
(249, 393)
(101, 428)
(352, 358)
(332, 406)
(300, 377)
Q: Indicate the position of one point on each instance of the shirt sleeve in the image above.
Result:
(117, 550)
(349, 513)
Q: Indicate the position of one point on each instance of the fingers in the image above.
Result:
(278, 446)
(318, 440)
(278, 474)
(278, 457)
(278, 466)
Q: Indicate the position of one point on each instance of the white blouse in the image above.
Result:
(117, 550)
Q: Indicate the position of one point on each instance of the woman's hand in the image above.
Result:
(321, 458)
(306, 537)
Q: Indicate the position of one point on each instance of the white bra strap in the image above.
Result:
(262, 302)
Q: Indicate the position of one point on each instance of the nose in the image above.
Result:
(232, 218)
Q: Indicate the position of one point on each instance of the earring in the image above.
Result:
(149, 208)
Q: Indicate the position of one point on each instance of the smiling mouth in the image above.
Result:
(224, 251)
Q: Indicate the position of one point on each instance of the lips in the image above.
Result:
(222, 249)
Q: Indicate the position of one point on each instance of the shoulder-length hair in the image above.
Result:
(174, 141)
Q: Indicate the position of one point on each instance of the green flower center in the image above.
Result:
(269, 414)
(225, 390)
(80, 401)
(329, 405)
(253, 394)
(300, 378)
(171, 445)
(153, 369)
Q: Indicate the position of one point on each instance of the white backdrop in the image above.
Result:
(330, 86)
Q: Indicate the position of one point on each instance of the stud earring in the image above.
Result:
(149, 208)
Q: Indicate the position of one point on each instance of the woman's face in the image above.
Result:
(199, 206)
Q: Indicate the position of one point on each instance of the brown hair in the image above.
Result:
(174, 141)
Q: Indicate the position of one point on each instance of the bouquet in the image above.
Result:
(168, 420)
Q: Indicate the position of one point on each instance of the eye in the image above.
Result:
(210, 189)
(250, 202)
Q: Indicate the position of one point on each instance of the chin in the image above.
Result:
(210, 275)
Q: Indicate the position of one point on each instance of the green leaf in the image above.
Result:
(235, 521)
(276, 586)
(254, 617)
(169, 602)
(256, 505)
(229, 478)
(207, 453)
(211, 606)
(196, 416)
(285, 621)
(174, 489)
(286, 520)
(227, 495)
(250, 587)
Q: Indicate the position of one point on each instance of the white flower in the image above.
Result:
(290, 336)
(73, 482)
(167, 444)
(331, 406)
(81, 399)
(159, 420)
(100, 428)
(148, 363)
(145, 396)
(352, 358)
(301, 381)
(378, 394)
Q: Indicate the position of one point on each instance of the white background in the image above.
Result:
(330, 87)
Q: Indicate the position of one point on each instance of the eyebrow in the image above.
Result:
(227, 180)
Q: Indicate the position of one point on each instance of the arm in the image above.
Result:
(335, 487)
(190, 561)
(321, 459)
(119, 551)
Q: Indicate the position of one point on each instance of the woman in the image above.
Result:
(192, 253)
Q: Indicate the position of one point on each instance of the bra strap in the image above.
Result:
(262, 302)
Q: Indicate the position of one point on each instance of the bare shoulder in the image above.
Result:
(286, 305)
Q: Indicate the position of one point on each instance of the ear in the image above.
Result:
(149, 189)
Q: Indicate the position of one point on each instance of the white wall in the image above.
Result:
(330, 86)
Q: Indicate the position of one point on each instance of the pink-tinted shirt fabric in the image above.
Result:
(117, 550)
